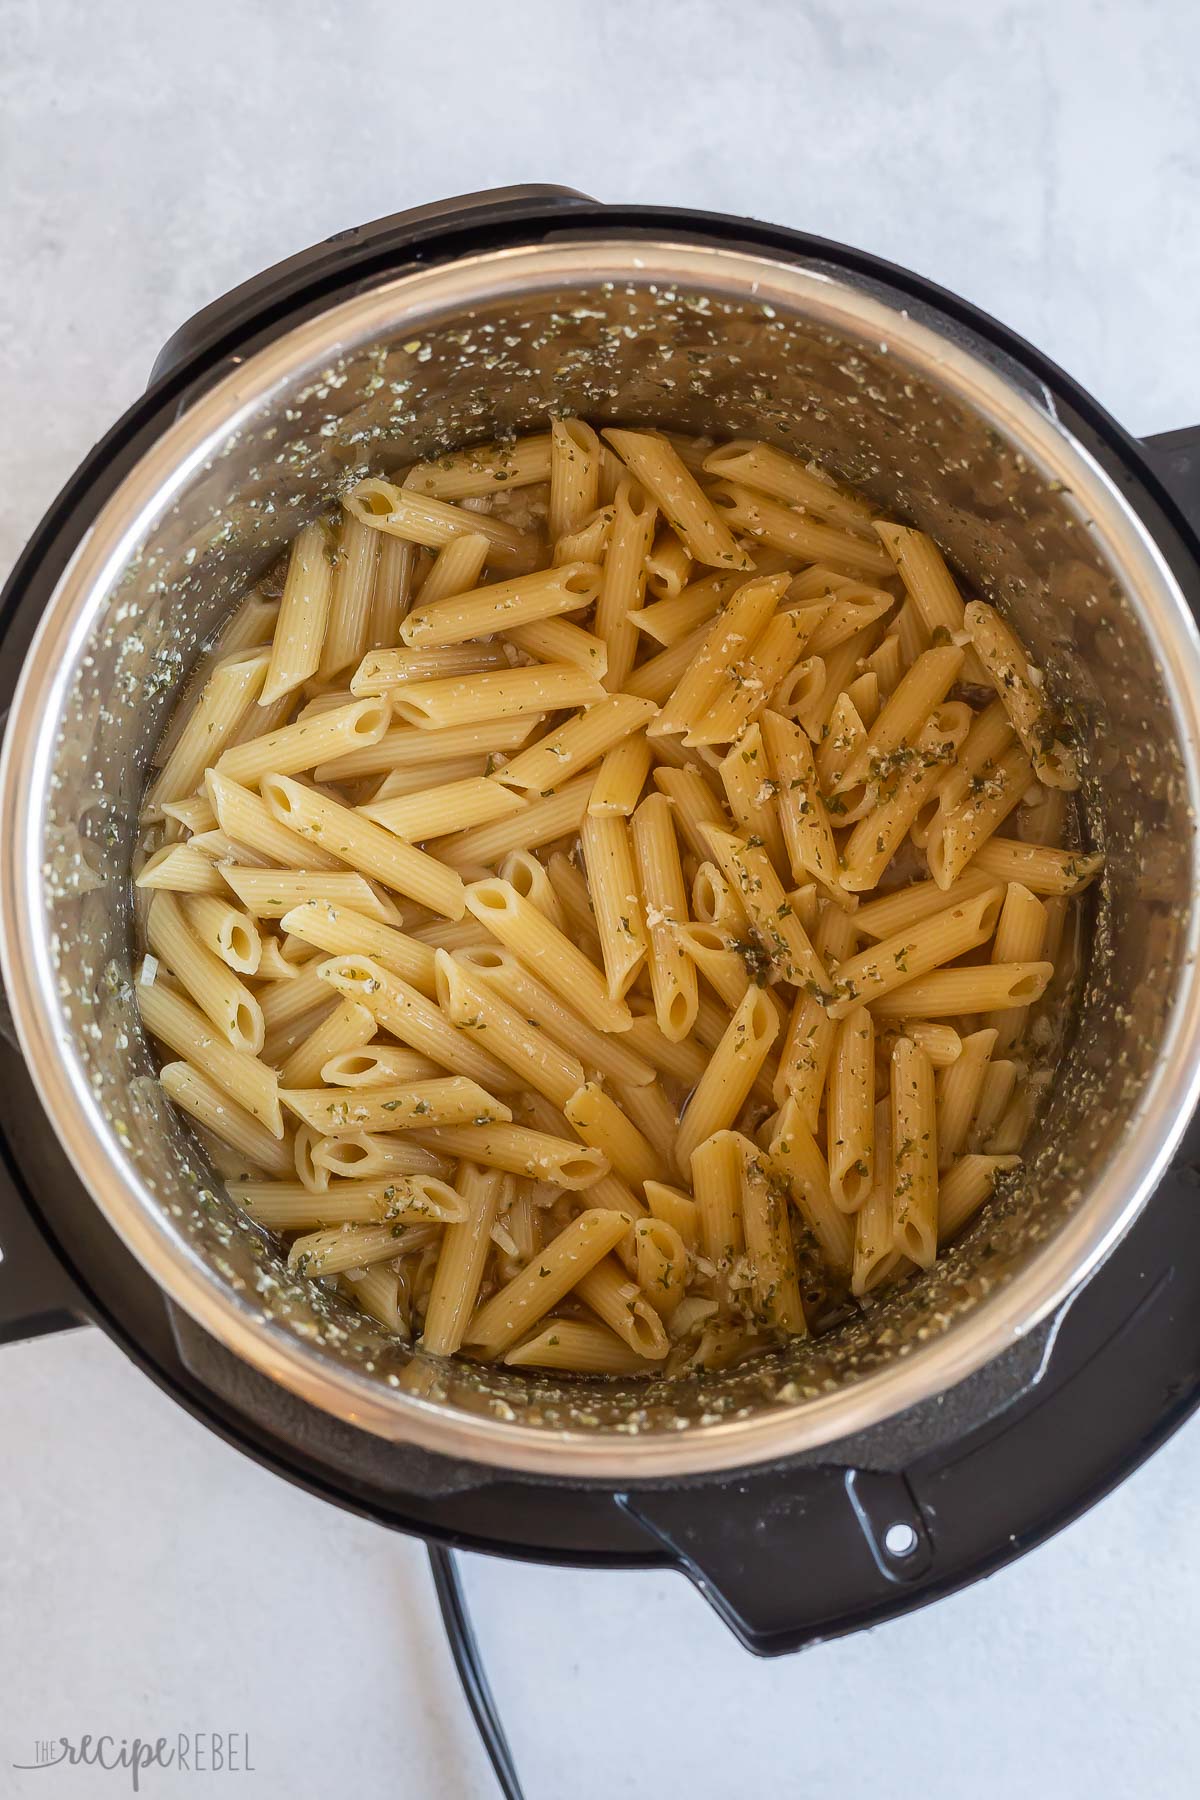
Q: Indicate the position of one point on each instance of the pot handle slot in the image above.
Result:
(382, 245)
(37, 1296)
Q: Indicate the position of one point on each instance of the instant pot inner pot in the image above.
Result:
(691, 360)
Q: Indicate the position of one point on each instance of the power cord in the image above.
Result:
(464, 1648)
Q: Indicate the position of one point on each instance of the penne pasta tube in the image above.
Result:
(560, 641)
(206, 1101)
(668, 565)
(772, 913)
(621, 1305)
(549, 1278)
(958, 1090)
(355, 562)
(386, 1205)
(694, 804)
(774, 1284)
(783, 477)
(621, 778)
(538, 1155)
(748, 683)
(845, 735)
(664, 906)
(483, 469)
(736, 628)
(227, 698)
(851, 1129)
(896, 911)
(623, 580)
(422, 519)
(542, 822)
(1036, 866)
(895, 961)
(367, 846)
(306, 743)
(395, 581)
(677, 1209)
(440, 811)
(613, 883)
(366, 1154)
(273, 893)
(342, 1247)
(877, 837)
(179, 869)
(655, 1117)
(381, 671)
(685, 506)
(412, 1018)
(807, 833)
(521, 928)
(496, 694)
(1019, 686)
(914, 1154)
(182, 1028)
(247, 819)
(941, 1043)
(374, 1065)
(582, 1346)
(716, 1183)
(667, 621)
(978, 989)
(600, 1122)
(462, 1259)
(796, 1156)
(380, 1293)
(531, 880)
(734, 1066)
(501, 606)
(474, 1005)
(1020, 937)
(456, 570)
(855, 608)
(449, 1100)
(906, 711)
(589, 543)
(203, 976)
(404, 747)
(347, 1027)
(229, 933)
(875, 1255)
(575, 745)
(657, 678)
(805, 1057)
(574, 475)
(965, 1187)
(796, 533)
(956, 836)
(303, 616)
(995, 1094)
(609, 1053)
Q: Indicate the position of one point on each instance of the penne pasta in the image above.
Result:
(500, 607)
(685, 506)
(664, 906)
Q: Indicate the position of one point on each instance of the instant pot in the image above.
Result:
(835, 1482)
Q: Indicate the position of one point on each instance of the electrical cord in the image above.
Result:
(464, 1648)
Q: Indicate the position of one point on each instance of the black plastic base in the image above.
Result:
(788, 1555)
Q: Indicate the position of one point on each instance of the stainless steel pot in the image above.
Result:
(689, 329)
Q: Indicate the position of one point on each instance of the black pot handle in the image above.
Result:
(37, 1296)
(373, 247)
(1175, 458)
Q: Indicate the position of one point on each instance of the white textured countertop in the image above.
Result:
(1044, 162)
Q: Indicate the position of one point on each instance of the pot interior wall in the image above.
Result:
(694, 361)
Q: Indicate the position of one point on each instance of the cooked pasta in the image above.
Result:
(606, 911)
